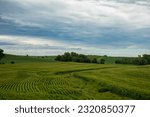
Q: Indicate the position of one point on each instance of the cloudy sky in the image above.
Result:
(51, 27)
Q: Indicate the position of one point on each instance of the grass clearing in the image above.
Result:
(59, 80)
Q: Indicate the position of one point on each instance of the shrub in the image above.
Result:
(102, 61)
(12, 62)
(94, 60)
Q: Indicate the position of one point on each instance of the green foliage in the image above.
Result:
(147, 58)
(94, 60)
(73, 57)
(136, 61)
(102, 61)
(140, 61)
(125, 61)
(12, 62)
(1, 54)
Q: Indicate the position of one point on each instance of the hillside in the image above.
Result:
(26, 59)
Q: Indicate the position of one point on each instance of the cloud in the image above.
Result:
(100, 12)
(3, 43)
(22, 40)
(94, 24)
(22, 45)
(35, 46)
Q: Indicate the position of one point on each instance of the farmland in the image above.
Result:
(49, 80)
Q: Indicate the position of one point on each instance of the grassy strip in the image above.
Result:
(133, 93)
(80, 70)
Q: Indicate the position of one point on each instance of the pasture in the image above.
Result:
(77, 81)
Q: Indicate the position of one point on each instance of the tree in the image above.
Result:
(67, 56)
(87, 60)
(73, 57)
(1, 54)
(73, 54)
(94, 60)
(147, 57)
(12, 62)
(140, 61)
(58, 58)
(135, 61)
(102, 61)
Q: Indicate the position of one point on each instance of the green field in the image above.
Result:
(30, 59)
(26, 59)
(41, 78)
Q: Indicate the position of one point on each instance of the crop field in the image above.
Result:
(78, 81)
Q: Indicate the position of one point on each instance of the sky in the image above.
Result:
(97, 27)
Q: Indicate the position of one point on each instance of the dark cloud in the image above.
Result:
(93, 23)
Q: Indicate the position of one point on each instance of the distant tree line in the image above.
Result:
(75, 57)
(140, 60)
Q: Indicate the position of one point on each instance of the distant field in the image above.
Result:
(27, 59)
(58, 80)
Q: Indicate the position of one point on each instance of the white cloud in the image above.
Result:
(21, 45)
(100, 12)
(84, 19)
(35, 46)
(21, 40)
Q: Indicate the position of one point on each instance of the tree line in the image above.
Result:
(140, 60)
(75, 57)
